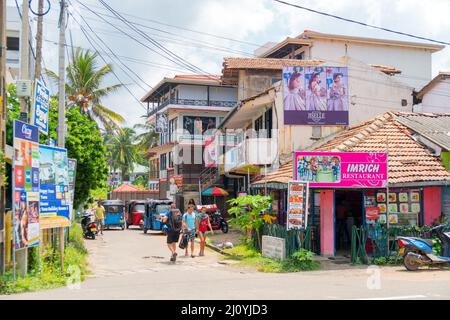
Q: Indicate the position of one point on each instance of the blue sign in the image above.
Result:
(25, 131)
(41, 107)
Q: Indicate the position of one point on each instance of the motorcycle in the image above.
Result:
(89, 226)
(218, 222)
(418, 252)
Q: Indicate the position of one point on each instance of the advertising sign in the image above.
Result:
(211, 151)
(341, 169)
(41, 107)
(25, 185)
(54, 196)
(72, 172)
(175, 184)
(162, 123)
(315, 95)
(297, 213)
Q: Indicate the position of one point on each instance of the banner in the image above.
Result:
(54, 196)
(41, 107)
(211, 151)
(297, 213)
(341, 169)
(162, 123)
(175, 184)
(315, 95)
(72, 172)
(25, 185)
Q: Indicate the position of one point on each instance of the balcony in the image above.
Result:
(192, 102)
(252, 152)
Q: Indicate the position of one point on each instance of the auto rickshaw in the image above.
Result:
(156, 209)
(135, 213)
(114, 213)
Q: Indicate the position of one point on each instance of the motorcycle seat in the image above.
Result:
(427, 241)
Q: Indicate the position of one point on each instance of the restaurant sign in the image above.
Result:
(341, 169)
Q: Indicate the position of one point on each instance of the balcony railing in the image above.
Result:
(193, 102)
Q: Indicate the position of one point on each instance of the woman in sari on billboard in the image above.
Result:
(338, 92)
(293, 99)
(315, 94)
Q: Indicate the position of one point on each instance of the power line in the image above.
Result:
(361, 23)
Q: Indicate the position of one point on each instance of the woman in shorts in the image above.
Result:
(203, 225)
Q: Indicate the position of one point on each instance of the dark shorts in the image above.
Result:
(172, 236)
(191, 235)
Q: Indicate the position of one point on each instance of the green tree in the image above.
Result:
(84, 88)
(123, 151)
(84, 143)
(248, 212)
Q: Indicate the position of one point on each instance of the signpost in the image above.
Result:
(297, 211)
(41, 105)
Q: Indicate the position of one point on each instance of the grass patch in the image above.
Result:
(50, 274)
(248, 256)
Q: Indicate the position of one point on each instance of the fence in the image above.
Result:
(295, 239)
(372, 240)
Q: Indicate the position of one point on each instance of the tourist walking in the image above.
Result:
(100, 216)
(203, 224)
(189, 219)
(173, 218)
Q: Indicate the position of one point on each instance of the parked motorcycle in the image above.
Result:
(418, 252)
(89, 226)
(218, 222)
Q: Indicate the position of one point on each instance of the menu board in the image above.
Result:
(297, 213)
(403, 207)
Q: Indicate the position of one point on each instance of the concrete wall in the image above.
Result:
(253, 82)
(437, 99)
(222, 94)
(432, 205)
(414, 63)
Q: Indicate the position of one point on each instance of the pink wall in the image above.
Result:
(327, 222)
(432, 205)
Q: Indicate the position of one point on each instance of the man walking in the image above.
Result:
(173, 219)
(189, 219)
(100, 216)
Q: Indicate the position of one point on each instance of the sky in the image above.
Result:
(251, 23)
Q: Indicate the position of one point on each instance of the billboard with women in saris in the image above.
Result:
(315, 95)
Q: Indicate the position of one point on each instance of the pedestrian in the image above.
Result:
(173, 219)
(189, 219)
(100, 216)
(202, 225)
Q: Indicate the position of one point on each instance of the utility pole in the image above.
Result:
(62, 102)
(21, 256)
(39, 39)
(2, 129)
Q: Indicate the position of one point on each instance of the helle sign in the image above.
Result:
(341, 169)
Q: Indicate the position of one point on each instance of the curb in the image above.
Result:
(217, 249)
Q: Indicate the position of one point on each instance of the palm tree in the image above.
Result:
(84, 88)
(147, 139)
(123, 152)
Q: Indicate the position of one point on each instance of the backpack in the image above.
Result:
(175, 220)
(184, 241)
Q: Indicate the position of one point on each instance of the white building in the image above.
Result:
(435, 96)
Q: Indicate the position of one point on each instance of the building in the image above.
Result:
(410, 61)
(414, 173)
(191, 107)
(435, 95)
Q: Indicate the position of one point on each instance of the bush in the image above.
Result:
(301, 260)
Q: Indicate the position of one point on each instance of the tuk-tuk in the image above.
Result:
(135, 213)
(114, 213)
(156, 209)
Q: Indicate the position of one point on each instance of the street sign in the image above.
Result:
(41, 106)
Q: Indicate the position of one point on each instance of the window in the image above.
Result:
(163, 161)
(171, 159)
(198, 125)
(268, 122)
(316, 132)
(12, 43)
(172, 128)
(259, 124)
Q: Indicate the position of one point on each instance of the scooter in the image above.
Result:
(218, 222)
(418, 252)
(89, 226)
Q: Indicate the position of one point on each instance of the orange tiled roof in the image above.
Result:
(265, 63)
(409, 161)
(386, 69)
(127, 188)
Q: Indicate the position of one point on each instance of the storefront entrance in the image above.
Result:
(348, 212)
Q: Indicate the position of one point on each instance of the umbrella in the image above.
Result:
(215, 192)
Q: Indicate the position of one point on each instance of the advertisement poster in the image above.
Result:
(25, 185)
(41, 107)
(211, 151)
(341, 169)
(315, 95)
(297, 213)
(175, 185)
(54, 196)
(162, 123)
(72, 172)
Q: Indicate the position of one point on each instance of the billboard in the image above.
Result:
(25, 185)
(315, 95)
(41, 107)
(55, 197)
(341, 169)
(297, 213)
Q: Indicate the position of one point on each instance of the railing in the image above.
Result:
(208, 177)
(192, 102)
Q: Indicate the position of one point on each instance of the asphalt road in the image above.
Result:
(130, 265)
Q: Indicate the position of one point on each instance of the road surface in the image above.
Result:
(131, 265)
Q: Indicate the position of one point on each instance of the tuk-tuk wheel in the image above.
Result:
(128, 225)
(145, 230)
(123, 227)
